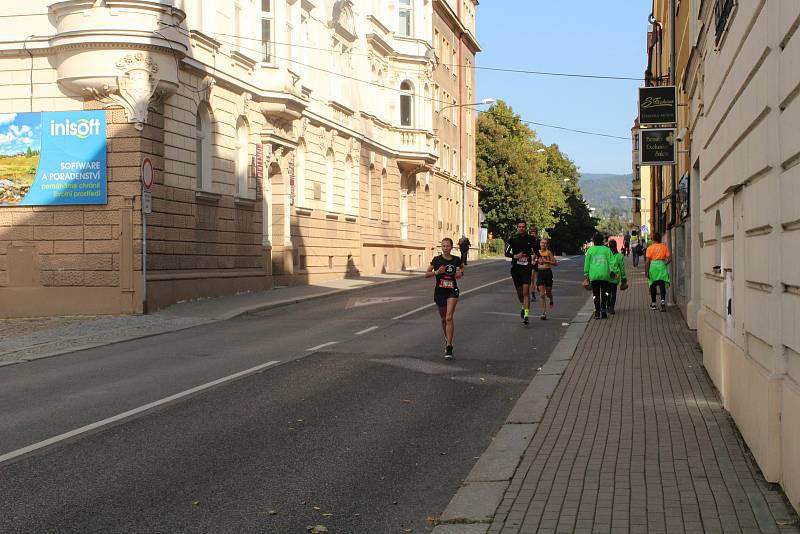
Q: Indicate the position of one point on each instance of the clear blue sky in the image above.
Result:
(574, 36)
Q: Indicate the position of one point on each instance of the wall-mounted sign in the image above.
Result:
(147, 173)
(657, 105)
(53, 158)
(657, 146)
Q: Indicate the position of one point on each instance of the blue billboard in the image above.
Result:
(53, 158)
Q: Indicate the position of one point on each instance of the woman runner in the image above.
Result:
(447, 269)
(618, 266)
(546, 260)
(655, 265)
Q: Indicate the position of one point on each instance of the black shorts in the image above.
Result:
(521, 275)
(441, 296)
(545, 278)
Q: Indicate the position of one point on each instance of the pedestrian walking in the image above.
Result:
(597, 270)
(546, 260)
(655, 265)
(620, 276)
(636, 247)
(447, 269)
(626, 243)
(463, 247)
(520, 249)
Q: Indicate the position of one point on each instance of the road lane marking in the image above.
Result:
(130, 413)
(328, 344)
(367, 330)
(412, 312)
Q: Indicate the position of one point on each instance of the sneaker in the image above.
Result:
(663, 306)
(652, 305)
(525, 320)
(597, 315)
(543, 317)
(448, 352)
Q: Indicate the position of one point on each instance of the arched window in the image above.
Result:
(242, 156)
(329, 181)
(300, 175)
(203, 148)
(406, 12)
(406, 104)
(348, 185)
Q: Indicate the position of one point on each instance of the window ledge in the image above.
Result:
(350, 218)
(207, 197)
(244, 202)
(332, 216)
(306, 212)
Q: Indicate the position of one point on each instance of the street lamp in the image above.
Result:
(484, 102)
(626, 197)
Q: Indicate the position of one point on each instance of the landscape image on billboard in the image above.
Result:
(20, 151)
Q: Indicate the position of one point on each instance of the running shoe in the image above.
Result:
(652, 305)
(525, 320)
(448, 352)
(663, 306)
(543, 317)
(597, 315)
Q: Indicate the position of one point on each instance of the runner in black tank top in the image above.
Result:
(448, 270)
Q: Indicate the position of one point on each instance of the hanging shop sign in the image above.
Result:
(657, 105)
(53, 158)
(657, 146)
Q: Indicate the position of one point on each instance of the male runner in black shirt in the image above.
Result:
(520, 249)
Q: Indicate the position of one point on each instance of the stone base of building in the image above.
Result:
(52, 301)
(764, 406)
(164, 289)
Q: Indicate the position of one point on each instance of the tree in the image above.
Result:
(516, 181)
(575, 225)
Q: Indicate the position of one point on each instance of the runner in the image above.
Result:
(546, 260)
(536, 246)
(656, 260)
(618, 267)
(520, 250)
(636, 248)
(597, 269)
(447, 269)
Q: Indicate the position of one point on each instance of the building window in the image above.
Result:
(266, 31)
(405, 18)
(300, 174)
(722, 11)
(382, 187)
(348, 185)
(329, 181)
(406, 104)
(242, 156)
(203, 148)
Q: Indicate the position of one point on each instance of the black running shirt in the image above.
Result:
(447, 280)
(521, 243)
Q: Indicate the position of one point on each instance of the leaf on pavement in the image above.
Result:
(195, 503)
(408, 530)
(327, 514)
(316, 529)
(317, 508)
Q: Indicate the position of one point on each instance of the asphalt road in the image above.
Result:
(360, 418)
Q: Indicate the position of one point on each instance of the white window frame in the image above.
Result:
(300, 173)
(242, 157)
(405, 7)
(409, 94)
(267, 49)
(330, 169)
(204, 134)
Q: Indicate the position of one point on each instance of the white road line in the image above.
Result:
(136, 411)
(328, 344)
(367, 330)
(412, 312)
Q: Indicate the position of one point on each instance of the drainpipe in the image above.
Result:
(461, 74)
(673, 78)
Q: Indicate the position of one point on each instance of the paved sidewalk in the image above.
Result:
(29, 339)
(634, 439)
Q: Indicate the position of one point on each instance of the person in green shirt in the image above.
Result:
(618, 268)
(597, 270)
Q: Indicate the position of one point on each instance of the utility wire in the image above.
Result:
(393, 89)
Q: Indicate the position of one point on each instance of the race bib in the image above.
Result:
(523, 261)
(444, 283)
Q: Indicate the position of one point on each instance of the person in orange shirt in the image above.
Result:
(655, 265)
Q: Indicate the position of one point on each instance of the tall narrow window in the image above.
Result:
(329, 181)
(300, 174)
(405, 18)
(266, 31)
(348, 185)
(406, 104)
(381, 192)
(203, 148)
(242, 155)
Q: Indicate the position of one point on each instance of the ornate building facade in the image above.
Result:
(291, 142)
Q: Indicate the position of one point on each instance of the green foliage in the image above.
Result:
(494, 247)
(518, 183)
(614, 225)
(602, 192)
(575, 225)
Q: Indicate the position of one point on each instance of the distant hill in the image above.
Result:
(602, 191)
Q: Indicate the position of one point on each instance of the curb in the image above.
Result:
(244, 310)
(475, 504)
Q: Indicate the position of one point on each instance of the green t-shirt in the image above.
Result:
(618, 266)
(597, 265)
